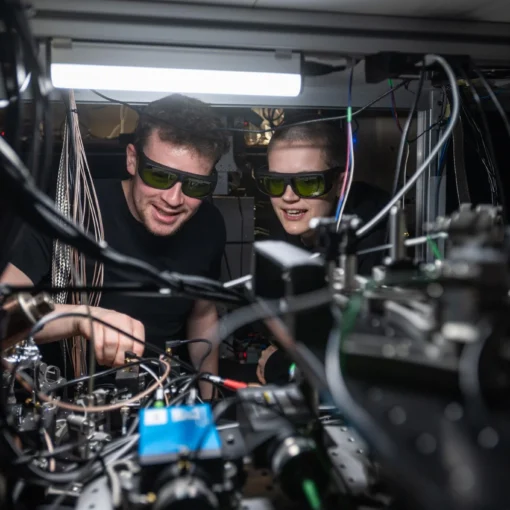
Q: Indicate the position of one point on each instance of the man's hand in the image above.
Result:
(262, 362)
(109, 345)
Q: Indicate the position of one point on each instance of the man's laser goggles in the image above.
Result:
(162, 177)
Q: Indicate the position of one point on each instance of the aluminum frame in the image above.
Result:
(427, 199)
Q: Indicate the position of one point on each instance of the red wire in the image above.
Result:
(234, 385)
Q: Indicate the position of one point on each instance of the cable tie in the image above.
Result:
(349, 114)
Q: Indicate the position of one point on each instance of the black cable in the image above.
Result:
(121, 287)
(198, 374)
(176, 380)
(58, 450)
(227, 264)
(282, 126)
(206, 354)
(179, 343)
(98, 375)
(483, 152)
(498, 106)
(425, 131)
(179, 397)
(488, 139)
(405, 133)
(494, 98)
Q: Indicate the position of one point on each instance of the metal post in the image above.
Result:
(429, 203)
(397, 229)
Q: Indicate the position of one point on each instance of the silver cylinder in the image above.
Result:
(349, 264)
(397, 231)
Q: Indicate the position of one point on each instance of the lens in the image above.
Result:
(158, 179)
(273, 186)
(196, 188)
(310, 185)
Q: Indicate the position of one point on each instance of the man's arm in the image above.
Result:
(108, 344)
(203, 320)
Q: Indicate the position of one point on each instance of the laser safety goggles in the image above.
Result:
(162, 177)
(304, 184)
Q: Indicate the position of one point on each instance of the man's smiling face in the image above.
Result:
(163, 212)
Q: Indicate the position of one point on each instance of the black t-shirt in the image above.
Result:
(196, 249)
(365, 201)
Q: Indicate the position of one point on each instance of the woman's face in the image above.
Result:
(293, 211)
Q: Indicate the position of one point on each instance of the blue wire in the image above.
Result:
(339, 207)
(442, 156)
(349, 102)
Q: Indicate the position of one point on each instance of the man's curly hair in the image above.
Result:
(185, 122)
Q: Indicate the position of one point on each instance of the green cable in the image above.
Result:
(434, 247)
(312, 494)
(349, 114)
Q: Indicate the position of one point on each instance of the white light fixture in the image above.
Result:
(167, 70)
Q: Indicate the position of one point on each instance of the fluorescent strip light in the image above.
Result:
(186, 81)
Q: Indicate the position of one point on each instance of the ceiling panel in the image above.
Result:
(488, 10)
(237, 3)
(458, 9)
